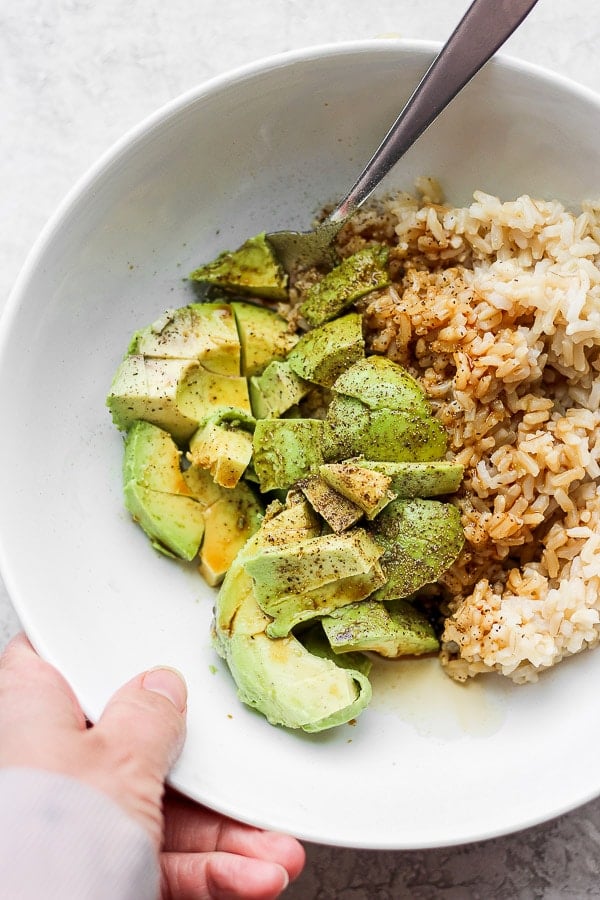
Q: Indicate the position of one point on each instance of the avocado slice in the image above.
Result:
(276, 391)
(381, 412)
(203, 394)
(381, 434)
(311, 563)
(231, 516)
(223, 445)
(156, 494)
(152, 459)
(390, 629)
(206, 332)
(380, 384)
(323, 354)
(355, 276)
(279, 677)
(286, 450)
(251, 269)
(316, 642)
(418, 479)
(264, 336)
(368, 489)
(421, 540)
(289, 610)
(339, 512)
(148, 389)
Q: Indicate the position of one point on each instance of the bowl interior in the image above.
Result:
(430, 763)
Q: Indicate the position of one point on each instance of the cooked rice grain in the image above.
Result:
(496, 309)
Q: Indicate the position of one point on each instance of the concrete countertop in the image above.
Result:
(75, 75)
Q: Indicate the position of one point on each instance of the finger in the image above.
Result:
(220, 876)
(136, 741)
(34, 695)
(146, 718)
(190, 828)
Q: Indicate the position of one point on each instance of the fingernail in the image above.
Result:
(168, 682)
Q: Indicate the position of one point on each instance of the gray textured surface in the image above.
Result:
(75, 75)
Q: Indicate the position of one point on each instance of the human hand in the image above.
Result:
(126, 756)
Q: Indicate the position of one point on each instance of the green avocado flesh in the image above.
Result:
(278, 676)
(297, 472)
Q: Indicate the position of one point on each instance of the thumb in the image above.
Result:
(139, 736)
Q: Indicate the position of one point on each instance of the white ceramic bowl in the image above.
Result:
(430, 763)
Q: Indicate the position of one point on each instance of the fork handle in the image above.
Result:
(485, 26)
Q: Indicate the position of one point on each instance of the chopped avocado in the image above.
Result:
(278, 676)
(390, 629)
(286, 450)
(202, 486)
(251, 269)
(288, 610)
(323, 354)
(229, 523)
(381, 434)
(292, 523)
(148, 389)
(356, 276)
(174, 523)
(231, 517)
(311, 563)
(380, 383)
(421, 540)
(276, 391)
(203, 394)
(380, 411)
(156, 495)
(264, 336)
(206, 332)
(223, 445)
(339, 512)
(418, 479)
(315, 641)
(152, 459)
(368, 489)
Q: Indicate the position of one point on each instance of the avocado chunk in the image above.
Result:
(156, 494)
(276, 391)
(148, 389)
(381, 412)
(264, 336)
(152, 459)
(311, 563)
(203, 394)
(339, 512)
(421, 540)
(355, 276)
(288, 527)
(278, 676)
(418, 479)
(315, 641)
(380, 384)
(323, 354)
(231, 516)
(286, 450)
(223, 445)
(289, 610)
(251, 269)
(206, 332)
(368, 489)
(381, 434)
(390, 629)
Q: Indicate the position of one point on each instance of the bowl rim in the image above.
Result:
(145, 126)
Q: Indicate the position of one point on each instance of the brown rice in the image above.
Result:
(496, 309)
